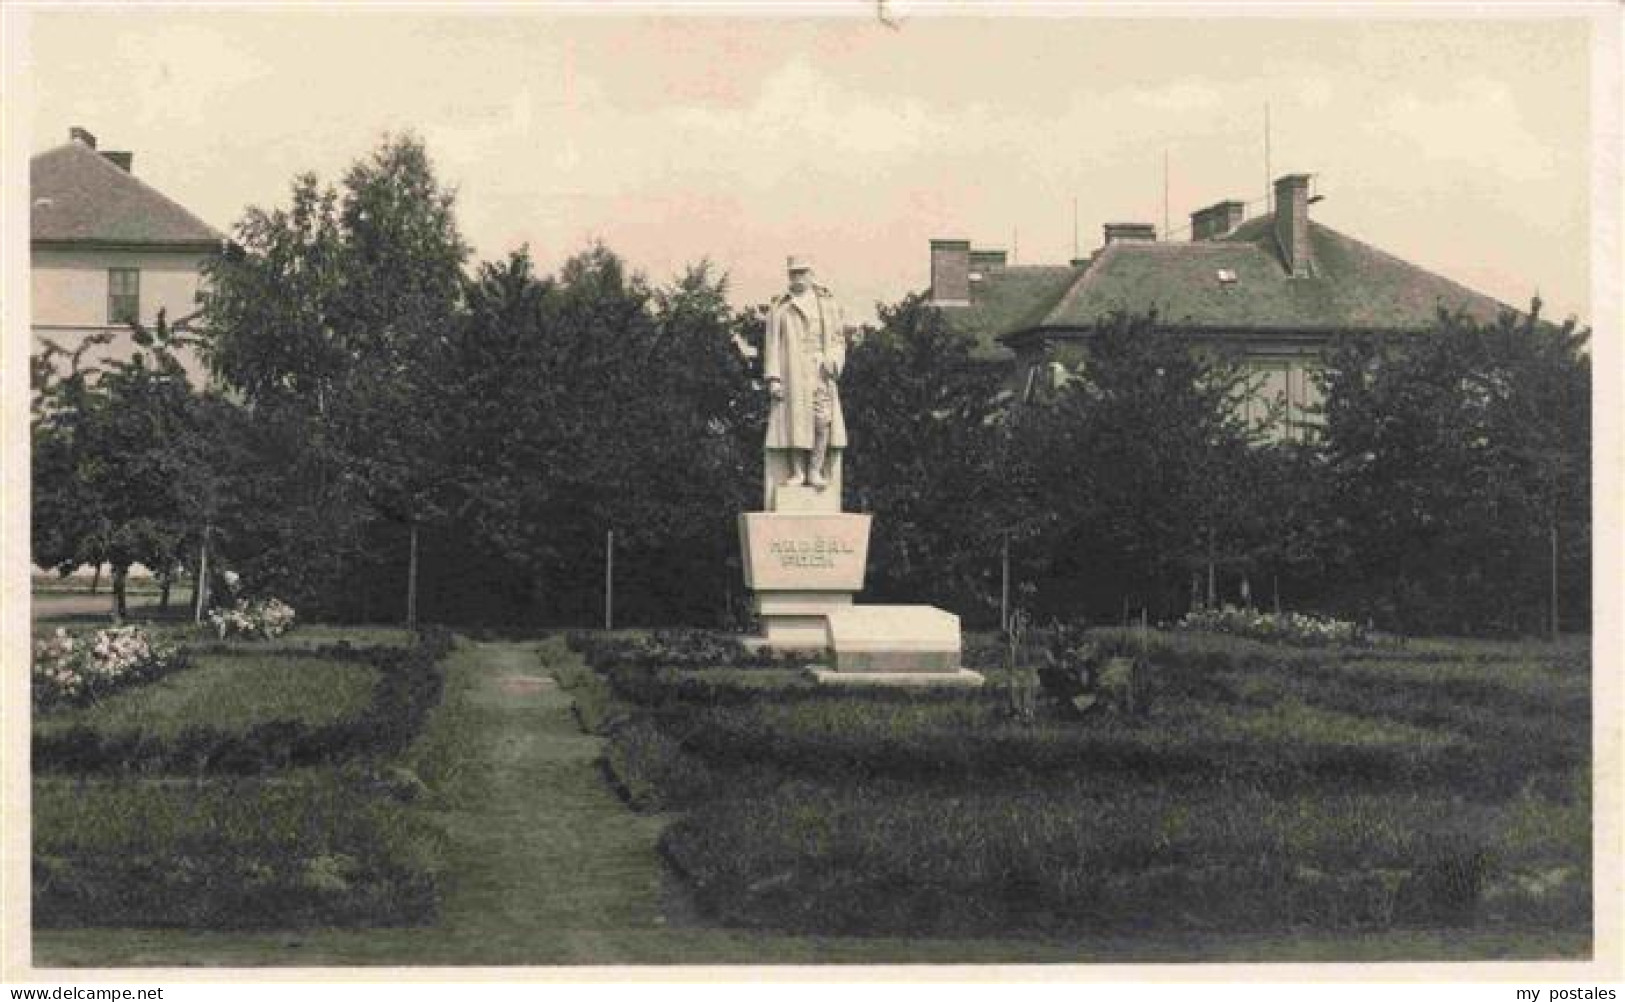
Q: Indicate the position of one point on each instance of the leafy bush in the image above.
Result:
(655, 687)
(253, 619)
(1284, 627)
(298, 851)
(409, 687)
(676, 648)
(74, 669)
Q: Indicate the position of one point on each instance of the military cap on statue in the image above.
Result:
(796, 262)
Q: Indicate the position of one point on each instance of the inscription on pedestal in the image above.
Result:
(804, 551)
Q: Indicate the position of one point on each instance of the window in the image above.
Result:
(123, 295)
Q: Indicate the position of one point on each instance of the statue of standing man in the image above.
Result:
(802, 359)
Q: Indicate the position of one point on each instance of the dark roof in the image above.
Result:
(1354, 287)
(78, 197)
(1008, 299)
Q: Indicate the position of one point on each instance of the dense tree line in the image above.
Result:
(397, 433)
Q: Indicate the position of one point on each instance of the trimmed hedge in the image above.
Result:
(409, 687)
(676, 648)
(1214, 714)
(234, 853)
(886, 858)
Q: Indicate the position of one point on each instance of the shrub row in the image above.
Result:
(953, 738)
(311, 851)
(675, 648)
(339, 650)
(409, 687)
(883, 858)
(969, 744)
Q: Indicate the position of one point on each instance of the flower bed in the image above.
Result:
(74, 669)
(253, 619)
(1284, 627)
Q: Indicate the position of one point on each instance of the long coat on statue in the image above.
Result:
(805, 350)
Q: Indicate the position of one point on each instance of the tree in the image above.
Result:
(591, 401)
(115, 462)
(328, 321)
(925, 415)
(1137, 471)
(1461, 462)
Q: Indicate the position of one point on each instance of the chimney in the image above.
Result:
(123, 159)
(1292, 224)
(1216, 220)
(1132, 232)
(78, 135)
(950, 272)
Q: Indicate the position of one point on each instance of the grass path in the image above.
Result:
(546, 867)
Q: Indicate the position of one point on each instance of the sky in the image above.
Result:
(1461, 146)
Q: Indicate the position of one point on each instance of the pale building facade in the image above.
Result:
(106, 249)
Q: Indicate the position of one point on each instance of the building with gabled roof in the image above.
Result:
(1279, 287)
(107, 248)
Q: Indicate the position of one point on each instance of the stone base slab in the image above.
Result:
(963, 678)
(894, 639)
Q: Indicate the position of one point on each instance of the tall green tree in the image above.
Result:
(1139, 468)
(591, 402)
(327, 322)
(926, 414)
(1460, 461)
(117, 461)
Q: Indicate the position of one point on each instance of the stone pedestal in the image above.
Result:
(802, 564)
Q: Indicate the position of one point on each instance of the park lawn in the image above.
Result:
(545, 866)
(231, 693)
